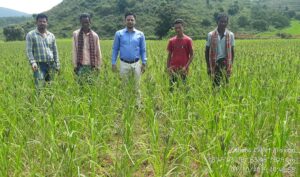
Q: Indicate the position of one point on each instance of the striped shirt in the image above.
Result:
(41, 48)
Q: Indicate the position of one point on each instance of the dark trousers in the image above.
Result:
(175, 78)
(86, 74)
(220, 73)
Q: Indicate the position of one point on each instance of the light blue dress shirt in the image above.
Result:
(132, 46)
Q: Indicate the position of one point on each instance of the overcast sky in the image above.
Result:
(29, 6)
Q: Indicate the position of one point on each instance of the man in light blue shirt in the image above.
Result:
(131, 45)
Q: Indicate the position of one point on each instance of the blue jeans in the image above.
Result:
(44, 73)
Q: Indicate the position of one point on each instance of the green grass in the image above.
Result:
(2, 38)
(249, 128)
(293, 29)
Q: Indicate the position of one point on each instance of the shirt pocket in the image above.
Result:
(49, 42)
(124, 40)
(136, 41)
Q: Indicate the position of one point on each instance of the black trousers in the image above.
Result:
(220, 73)
(175, 78)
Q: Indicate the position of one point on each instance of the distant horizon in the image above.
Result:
(15, 10)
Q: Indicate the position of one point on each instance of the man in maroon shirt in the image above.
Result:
(180, 55)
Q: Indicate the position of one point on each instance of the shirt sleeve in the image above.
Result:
(55, 53)
(98, 52)
(29, 52)
(169, 47)
(232, 40)
(208, 40)
(190, 45)
(143, 49)
(74, 59)
(115, 49)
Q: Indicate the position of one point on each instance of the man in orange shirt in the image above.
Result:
(86, 51)
(180, 55)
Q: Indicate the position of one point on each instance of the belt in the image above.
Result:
(130, 61)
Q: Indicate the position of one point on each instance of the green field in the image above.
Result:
(293, 29)
(249, 128)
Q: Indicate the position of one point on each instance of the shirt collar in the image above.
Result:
(37, 31)
(225, 32)
(180, 38)
(134, 30)
(87, 34)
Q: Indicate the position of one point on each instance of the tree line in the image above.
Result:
(155, 17)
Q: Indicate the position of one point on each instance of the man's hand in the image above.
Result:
(143, 68)
(57, 71)
(114, 68)
(170, 71)
(57, 68)
(34, 67)
(184, 70)
(96, 69)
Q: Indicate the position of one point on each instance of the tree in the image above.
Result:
(243, 21)
(290, 13)
(260, 25)
(234, 8)
(279, 21)
(166, 17)
(207, 2)
(206, 22)
(297, 17)
(221, 9)
(14, 33)
(258, 12)
(121, 5)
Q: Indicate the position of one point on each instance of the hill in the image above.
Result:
(6, 12)
(155, 17)
(5, 21)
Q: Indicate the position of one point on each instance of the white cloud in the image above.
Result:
(29, 6)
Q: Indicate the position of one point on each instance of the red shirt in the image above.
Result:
(180, 51)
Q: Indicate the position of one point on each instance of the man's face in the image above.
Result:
(178, 28)
(85, 22)
(42, 23)
(222, 23)
(130, 21)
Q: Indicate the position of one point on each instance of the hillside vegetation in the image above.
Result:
(6, 12)
(155, 17)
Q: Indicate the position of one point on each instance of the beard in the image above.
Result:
(130, 26)
(42, 27)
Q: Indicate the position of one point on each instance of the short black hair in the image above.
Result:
(130, 13)
(85, 15)
(222, 15)
(179, 21)
(41, 16)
